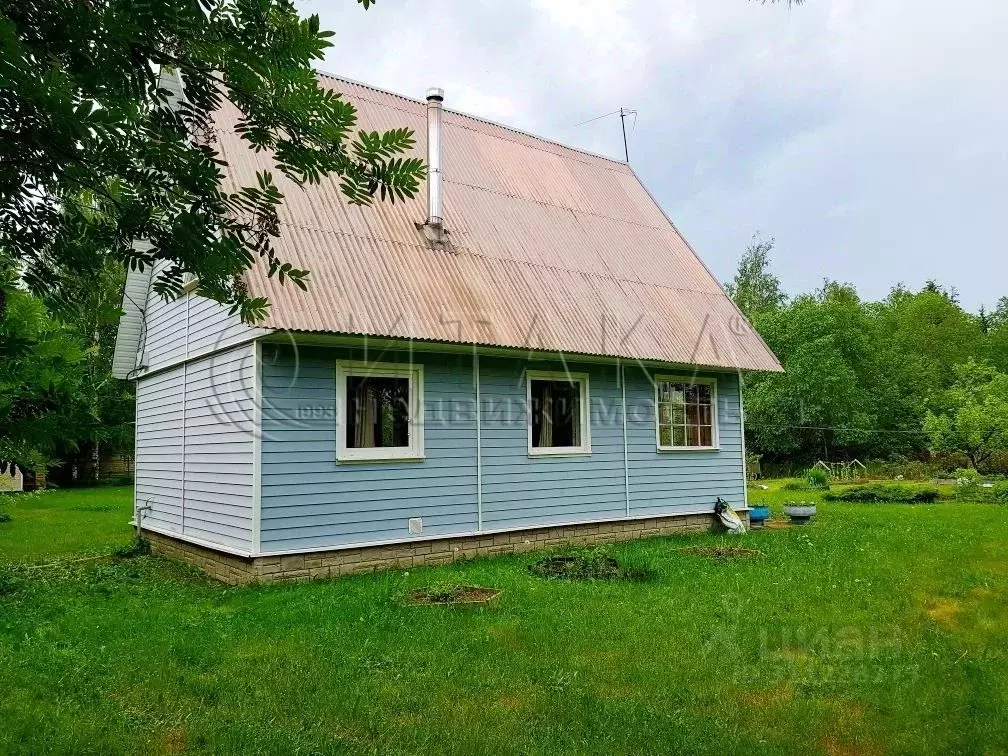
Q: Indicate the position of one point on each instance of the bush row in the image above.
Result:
(878, 492)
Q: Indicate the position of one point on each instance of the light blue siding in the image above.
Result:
(211, 327)
(312, 501)
(194, 463)
(163, 340)
(309, 500)
(523, 491)
(190, 325)
(682, 481)
(159, 449)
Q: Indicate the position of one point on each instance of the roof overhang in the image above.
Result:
(377, 344)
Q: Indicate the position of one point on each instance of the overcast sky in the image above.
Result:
(869, 137)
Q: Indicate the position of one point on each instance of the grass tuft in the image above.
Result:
(138, 547)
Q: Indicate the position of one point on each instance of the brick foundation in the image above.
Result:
(324, 564)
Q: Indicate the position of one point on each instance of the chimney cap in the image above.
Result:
(435, 93)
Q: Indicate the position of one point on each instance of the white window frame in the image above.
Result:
(414, 372)
(559, 451)
(688, 379)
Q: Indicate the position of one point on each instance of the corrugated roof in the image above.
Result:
(552, 249)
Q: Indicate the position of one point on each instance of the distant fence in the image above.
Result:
(843, 470)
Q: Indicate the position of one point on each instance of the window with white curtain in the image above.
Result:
(686, 413)
(380, 411)
(558, 418)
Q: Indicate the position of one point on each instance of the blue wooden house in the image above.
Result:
(529, 354)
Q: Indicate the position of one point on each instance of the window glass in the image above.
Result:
(377, 412)
(685, 414)
(556, 414)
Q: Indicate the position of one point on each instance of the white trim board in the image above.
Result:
(257, 397)
(685, 512)
(318, 339)
(479, 444)
(201, 355)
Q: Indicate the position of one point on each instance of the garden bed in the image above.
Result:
(451, 594)
(591, 566)
(723, 552)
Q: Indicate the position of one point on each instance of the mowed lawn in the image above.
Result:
(877, 629)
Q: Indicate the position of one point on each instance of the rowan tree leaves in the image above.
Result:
(98, 151)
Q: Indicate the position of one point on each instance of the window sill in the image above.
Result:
(560, 452)
(674, 449)
(366, 460)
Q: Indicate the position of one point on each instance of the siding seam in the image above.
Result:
(185, 406)
(626, 455)
(479, 445)
(257, 396)
(745, 472)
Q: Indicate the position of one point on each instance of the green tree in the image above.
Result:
(40, 408)
(972, 416)
(755, 289)
(996, 338)
(847, 390)
(93, 145)
(824, 341)
(89, 310)
(931, 331)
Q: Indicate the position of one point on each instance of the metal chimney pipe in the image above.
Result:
(435, 96)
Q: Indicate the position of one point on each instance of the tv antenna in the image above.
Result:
(622, 113)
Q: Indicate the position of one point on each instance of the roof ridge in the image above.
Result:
(481, 119)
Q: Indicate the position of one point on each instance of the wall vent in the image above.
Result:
(415, 525)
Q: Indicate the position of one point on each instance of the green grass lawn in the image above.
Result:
(52, 524)
(877, 629)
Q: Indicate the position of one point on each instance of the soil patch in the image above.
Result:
(578, 568)
(724, 552)
(451, 594)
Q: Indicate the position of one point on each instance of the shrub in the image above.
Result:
(948, 462)
(126, 479)
(818, 479)
(999, 493)
(971, 486)
(878, 492)
(795, 484)
(997, 464)
(968, 486)
(5, 517)
(139, 547)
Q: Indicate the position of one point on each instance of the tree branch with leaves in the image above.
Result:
(95, 153)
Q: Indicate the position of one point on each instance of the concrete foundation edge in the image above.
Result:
(238, 570)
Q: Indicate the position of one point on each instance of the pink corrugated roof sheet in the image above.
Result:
(553, 249)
